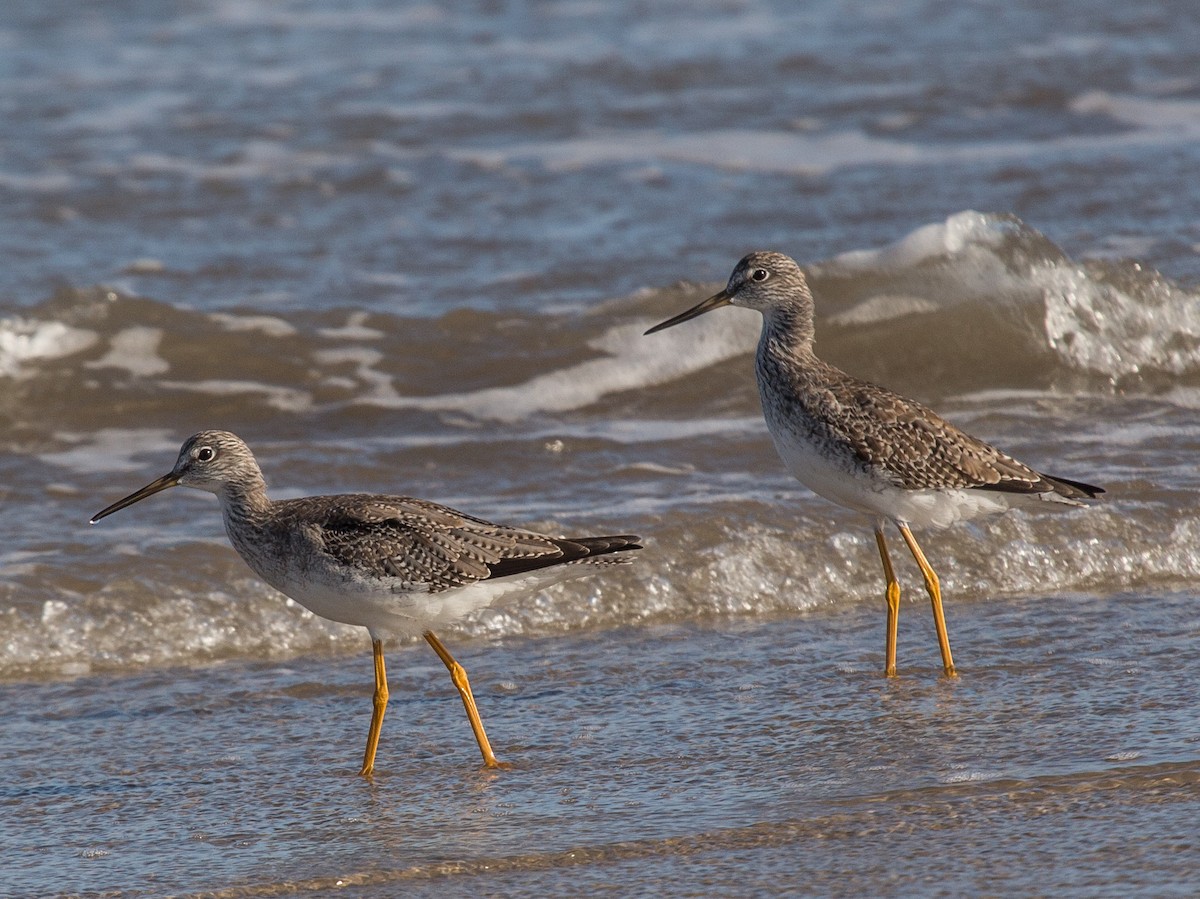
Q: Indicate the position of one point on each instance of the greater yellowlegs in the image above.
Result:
(864, 447)
(392, 564)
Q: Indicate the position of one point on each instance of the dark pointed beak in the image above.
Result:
(714, 302)
(163, 483)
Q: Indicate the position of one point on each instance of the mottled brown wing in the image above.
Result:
(918, 449)
(419, 542)
(436, 547)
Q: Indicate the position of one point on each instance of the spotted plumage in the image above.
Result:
(392, 564)
(887, 436)
(863, 446)
(424, 546)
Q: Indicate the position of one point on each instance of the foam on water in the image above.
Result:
(761, 151)
(25, 340)
(75, 635)
(136, 351)
(283, 398)
(1143, 122)
(631, 362)
(371, 385)
(958, 234)
(269, 325)
(355, 328)
(110, 449)
(1103, 320)
(256, 160)
(1113, 319)
(1175, 119)
(161, 597)
(1048, 319)
(418, 111)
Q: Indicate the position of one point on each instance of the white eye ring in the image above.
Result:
(205, 454)
(759, 274)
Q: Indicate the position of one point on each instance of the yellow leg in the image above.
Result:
(893, 606)
(458, 674)
(935, 596)
(380, 706)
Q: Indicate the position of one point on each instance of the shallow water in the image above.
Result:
(741, 757)
(408, 249)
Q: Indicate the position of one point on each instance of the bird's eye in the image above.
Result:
(205, 454)
(759, 274)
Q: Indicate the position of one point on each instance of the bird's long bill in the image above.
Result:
(166, 481)
(714, 302)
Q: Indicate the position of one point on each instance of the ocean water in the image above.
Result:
(412, 248)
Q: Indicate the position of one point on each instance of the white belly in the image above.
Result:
(387, 607)
(837, 479)
(409, 613)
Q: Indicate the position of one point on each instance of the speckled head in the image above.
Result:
(765, 281)
(215, 461)
(211, 460)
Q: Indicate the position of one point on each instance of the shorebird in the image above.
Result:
(865, 447)
(392, 564)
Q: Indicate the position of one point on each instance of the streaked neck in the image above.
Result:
(245, 499)
(787, 331)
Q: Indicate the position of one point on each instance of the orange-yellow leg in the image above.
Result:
(935, 596)
(380, 706)
(893, 606)
(458, 674)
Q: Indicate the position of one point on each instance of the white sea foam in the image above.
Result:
(631, 361)
(761, 151)
(283, 398)
(111, 449)
(799, 555)
(135, 350)
(883, 307)
(145, 265)
(1099, 326)
(1157, 115)
(1109, 320)
(354, 329)
(937, 240)
(380, 388)
(1154, 121)
(269, 325)
(258, 159)
(25, 340)
(420, 111)
(383, 279)
(248, 14)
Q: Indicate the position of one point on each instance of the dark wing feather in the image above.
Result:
(575, 549)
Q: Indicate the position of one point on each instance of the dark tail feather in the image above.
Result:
(597, 546)
(1073, 489)
(573, 550)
